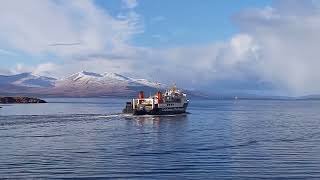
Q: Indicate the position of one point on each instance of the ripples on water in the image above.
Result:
(218, 139)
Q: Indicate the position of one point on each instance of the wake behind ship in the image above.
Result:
(173, 101)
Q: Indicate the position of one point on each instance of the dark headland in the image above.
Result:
(20, 100)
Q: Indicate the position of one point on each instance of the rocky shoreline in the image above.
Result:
(20, 100)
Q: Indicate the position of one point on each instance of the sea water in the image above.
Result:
(90, 138)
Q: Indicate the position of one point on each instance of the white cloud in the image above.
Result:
(129, 4)
(203, 66)
(277, 46)
(287, 36)
(34, 26)
(21, 68)
(45, 69)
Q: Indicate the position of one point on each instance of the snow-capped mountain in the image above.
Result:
(81, 84)
(27, 80)
(85, 78)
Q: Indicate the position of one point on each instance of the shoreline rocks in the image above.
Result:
(20, 100)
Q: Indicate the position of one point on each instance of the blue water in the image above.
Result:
(89, 138)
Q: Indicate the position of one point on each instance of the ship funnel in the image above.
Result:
(159, 95)
(141, 95)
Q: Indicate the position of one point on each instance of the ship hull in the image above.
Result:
(157, 112)
(162, 111)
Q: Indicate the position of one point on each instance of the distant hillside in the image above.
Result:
(90, 84)
(82, 84)
(26, 80)
(310, 97)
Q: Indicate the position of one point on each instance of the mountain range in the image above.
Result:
(81, 84)
(90, 84)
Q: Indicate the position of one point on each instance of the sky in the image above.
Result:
(258, 47)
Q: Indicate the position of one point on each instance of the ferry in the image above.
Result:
(172, 101)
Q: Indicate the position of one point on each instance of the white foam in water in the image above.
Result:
(109, 116)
